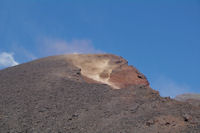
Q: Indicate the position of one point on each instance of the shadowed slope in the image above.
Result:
(51, 95)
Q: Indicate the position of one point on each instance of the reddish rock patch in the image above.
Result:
(126, 76)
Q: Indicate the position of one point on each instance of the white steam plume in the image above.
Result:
(7, 60)
(55, 47)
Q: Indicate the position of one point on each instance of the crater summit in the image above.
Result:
(107, 69)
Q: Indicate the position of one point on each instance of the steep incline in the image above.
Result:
(59, 95)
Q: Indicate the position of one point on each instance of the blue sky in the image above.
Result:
(160, 38)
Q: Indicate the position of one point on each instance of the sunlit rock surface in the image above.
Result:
(108, 69)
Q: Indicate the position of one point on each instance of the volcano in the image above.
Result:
(88, 93)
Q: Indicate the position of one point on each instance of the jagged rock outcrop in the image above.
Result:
(108, 69)
(87, 94)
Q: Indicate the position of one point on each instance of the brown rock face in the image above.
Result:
(125, 76)
(108, 69)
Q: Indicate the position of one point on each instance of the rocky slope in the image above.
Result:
(87, 94)
(193, 99)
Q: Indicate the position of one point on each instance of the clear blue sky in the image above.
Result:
(160, 38)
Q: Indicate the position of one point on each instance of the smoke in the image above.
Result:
(7, 60)
(46, 47)
(23, 53)
(56, 47)
(168, 87)
(95, 68)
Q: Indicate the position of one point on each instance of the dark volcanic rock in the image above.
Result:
(51, 95)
